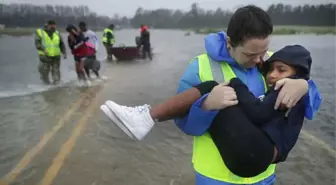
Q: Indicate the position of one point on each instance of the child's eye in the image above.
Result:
(282, 70)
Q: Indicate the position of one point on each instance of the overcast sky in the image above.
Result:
(128, 7)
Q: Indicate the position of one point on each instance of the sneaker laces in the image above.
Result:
(136, 109)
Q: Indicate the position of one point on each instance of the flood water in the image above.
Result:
(59, 136)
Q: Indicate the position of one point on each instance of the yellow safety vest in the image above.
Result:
(206, 158)
(51, 45)
(105, 40)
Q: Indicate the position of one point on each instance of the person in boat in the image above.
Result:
(91, 63)
(234, 54)
(270, 134)
(145, 42)
(82, 51)
(50, 46)
(108, 41)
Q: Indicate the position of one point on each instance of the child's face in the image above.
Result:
(277, 71)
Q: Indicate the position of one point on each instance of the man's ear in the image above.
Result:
(228, 42)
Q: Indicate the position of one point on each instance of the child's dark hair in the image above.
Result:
(301, 73)
(293, 55)
(70, 27)
(82, 24)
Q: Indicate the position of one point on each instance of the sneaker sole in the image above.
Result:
(117, 121)
(111, 105)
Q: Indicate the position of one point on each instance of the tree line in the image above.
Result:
(28, 15)
(196, 17)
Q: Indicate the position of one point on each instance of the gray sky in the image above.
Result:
(128, 7)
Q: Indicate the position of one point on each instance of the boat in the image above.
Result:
(124, 53)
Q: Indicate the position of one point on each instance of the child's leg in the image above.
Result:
(80, 69)
(87, 71)
(180, 104)
(96, 73)
(136, 118)
(246, 150)
(96, 67)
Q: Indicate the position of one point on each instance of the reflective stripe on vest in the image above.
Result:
(51, 45)
(107, 30)
(206, 158)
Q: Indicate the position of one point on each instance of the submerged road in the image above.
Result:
(60, 136)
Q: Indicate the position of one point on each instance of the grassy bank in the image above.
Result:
(283, 30)
(29, 31)
(17, 31)
(278, 30)
(21, 31)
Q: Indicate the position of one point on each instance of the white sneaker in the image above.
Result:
(113, 117)
(98, 80)
(88, 83)
(137, 119)
(80, 83)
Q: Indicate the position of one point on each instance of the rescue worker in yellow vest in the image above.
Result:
(239, 50)
(108, 41)
(49, 44)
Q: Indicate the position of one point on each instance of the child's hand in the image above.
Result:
(220, 97)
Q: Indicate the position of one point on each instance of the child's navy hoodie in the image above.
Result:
(282, 127)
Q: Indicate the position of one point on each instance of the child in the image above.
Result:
(250, 135)
(84, 54)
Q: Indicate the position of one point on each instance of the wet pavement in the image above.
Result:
(60, 137)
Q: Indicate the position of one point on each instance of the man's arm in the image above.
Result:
(80, 40)
(258, 112)
(294, 89)
(148, 36)
(197, 121)
(96, 42)
(38, 42)
(141, 38)
(70, 43)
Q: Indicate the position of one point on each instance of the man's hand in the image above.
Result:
(220, 97)
(74, 31)
(45, 52)
(64, 55)
(292, 91)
